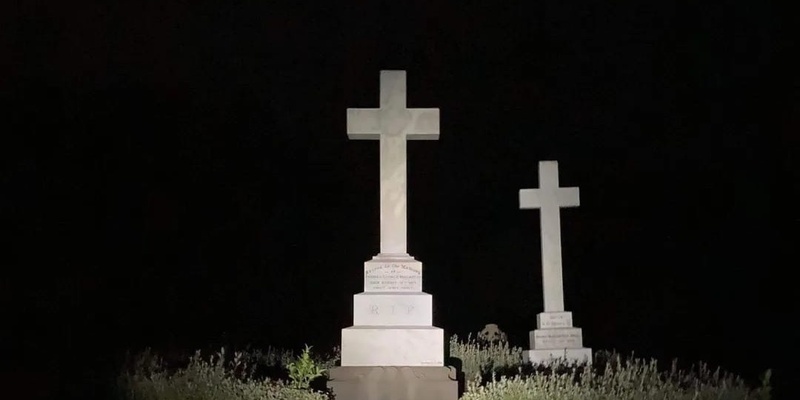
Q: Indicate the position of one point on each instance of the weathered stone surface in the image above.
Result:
(394, 383)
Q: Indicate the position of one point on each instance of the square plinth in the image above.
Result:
(393, 309)
(413, 346)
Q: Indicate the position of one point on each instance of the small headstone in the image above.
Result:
(491, 333)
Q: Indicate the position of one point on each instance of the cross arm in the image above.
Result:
(529, 198)
(424, 124)
(363, 123)
(561, 197)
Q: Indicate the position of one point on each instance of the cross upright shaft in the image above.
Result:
(392, 124)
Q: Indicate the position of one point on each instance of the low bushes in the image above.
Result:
(493, 371)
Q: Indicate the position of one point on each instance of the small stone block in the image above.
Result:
(547, 320)
(395, 383)
(556, 338)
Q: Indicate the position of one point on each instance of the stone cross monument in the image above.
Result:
(393, 343)
(555, 337)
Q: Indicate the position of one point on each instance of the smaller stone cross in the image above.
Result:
(550, 198)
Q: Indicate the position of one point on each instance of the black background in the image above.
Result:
(178, 175)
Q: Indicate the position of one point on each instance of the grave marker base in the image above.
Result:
(412, 346)
(394, 383)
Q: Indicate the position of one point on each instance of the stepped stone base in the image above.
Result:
(556, 341)
(394, 383)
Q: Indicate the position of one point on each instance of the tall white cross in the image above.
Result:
(549, 198)
(392, 124)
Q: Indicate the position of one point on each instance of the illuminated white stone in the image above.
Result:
(392, 124)
(392, 274)
(393, 309)
(413, 346)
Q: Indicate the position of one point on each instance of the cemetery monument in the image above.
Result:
(555, 337)
(393, 350)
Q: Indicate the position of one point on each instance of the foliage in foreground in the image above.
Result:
(303, 370)
(493, 371)
(618, 379)
(479, 358)
(212, 379)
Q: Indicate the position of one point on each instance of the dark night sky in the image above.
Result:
(173, 173)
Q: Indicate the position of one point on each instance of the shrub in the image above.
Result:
(204, 379)
(615, 378)
(494, 371)
(304, 369)
(480, 358)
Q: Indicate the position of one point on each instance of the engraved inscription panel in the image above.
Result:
(557, 338)
(393, 276)
(398, 308)
(554, 320)
(391, 309)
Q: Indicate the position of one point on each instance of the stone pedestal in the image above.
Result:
(556, 340)
(393, 318)
(393, 351)
(393, 383)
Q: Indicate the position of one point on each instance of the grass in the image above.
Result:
(492, 371)
(614, 377)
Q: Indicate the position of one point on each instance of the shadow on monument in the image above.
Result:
(396, 382)
(456, 363)
(320, 384)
